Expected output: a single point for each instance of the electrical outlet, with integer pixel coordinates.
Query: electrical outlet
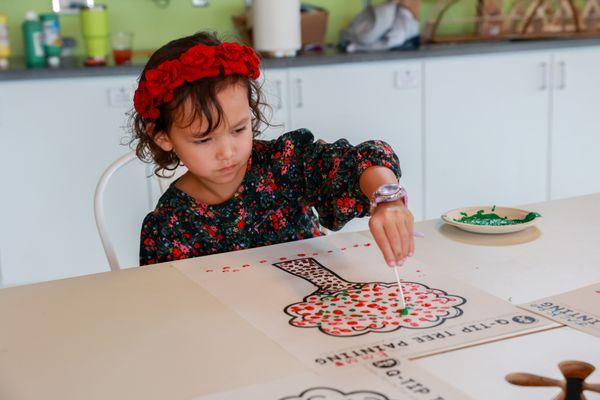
(120, 97)
(200, 3)
(409, 78)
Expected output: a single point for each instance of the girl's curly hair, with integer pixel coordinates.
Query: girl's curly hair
(202, 93)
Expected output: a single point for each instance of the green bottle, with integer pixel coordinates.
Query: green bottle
(32, 40)
(51, 39)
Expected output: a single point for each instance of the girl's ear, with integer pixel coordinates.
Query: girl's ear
(162, 140)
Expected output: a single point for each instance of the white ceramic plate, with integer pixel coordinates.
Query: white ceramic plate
(512, 213)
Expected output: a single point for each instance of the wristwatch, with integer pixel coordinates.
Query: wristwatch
(387, 193)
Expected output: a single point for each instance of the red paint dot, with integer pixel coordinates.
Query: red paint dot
(209, 270)
(330, 251)
(263, 261)
(367, 244)
(282, 258)
(315, 254)
(343, 248)
(301, 254)
(245, 265)
(356, 245)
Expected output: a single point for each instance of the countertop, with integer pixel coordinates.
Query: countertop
(74, 68)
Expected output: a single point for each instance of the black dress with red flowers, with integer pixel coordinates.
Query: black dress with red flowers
(286, 178)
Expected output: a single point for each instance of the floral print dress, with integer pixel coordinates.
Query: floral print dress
(285, 179)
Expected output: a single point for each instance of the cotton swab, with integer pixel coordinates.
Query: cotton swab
(401, 293)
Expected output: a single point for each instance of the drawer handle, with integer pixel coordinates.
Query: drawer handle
(544, 76)
(299, 99)
(562, 75)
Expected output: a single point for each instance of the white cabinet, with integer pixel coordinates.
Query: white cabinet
(57, 138)
(365, 101)
(575, 133)
(486, 130)
(275, 89)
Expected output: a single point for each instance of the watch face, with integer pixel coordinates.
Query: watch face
(389, 189)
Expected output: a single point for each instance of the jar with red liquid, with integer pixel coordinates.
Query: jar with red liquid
(121, 43)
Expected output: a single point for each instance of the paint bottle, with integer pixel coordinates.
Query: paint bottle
(4, 43)
(32, 41)
(51, 39)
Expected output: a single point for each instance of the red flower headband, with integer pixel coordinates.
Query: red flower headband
(201, 61)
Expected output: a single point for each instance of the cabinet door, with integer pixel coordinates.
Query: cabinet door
(486, 130)
(575, 143)
(275, 88)
(58, 137)
(365, 101)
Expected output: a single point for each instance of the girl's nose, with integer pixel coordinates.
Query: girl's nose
(225, 149)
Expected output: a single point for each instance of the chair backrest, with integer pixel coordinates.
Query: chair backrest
(163, 184)
(99, 215)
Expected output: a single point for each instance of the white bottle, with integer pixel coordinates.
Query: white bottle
(276, 27)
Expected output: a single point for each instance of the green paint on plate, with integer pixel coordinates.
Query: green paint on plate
(492, 219)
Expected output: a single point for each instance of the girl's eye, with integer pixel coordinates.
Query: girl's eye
(240, 130)
(202, 141)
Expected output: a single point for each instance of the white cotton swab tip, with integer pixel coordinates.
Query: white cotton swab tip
(400, 292)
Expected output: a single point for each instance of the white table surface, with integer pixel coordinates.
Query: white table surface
(142, 333)
(561, 255)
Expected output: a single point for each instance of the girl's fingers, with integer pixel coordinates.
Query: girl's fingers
(411, 236)
(394, 236)
(382, 242)
(405, 237)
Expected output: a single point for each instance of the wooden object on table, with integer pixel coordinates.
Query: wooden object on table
(572, 388)
(589, 18)
(489, 13)
(525, 19)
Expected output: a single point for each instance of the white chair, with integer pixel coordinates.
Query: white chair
(107, 244)
(163, 184)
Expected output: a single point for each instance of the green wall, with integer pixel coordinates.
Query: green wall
(154, 26)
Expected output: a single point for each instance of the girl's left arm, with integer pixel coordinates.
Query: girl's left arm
(391, 223)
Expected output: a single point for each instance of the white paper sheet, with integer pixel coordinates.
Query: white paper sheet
(579, 309)
(389, 379)
(333, 302)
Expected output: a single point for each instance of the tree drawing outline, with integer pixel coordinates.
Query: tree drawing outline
(345, 309)
(325, 393)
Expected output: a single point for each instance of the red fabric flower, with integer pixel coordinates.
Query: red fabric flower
(230, 52)
(167, 76)
(199, 62)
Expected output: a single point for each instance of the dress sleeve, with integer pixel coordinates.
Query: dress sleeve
(149, 241)
(329, 173)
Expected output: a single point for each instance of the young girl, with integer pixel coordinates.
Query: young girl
(198, 104)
